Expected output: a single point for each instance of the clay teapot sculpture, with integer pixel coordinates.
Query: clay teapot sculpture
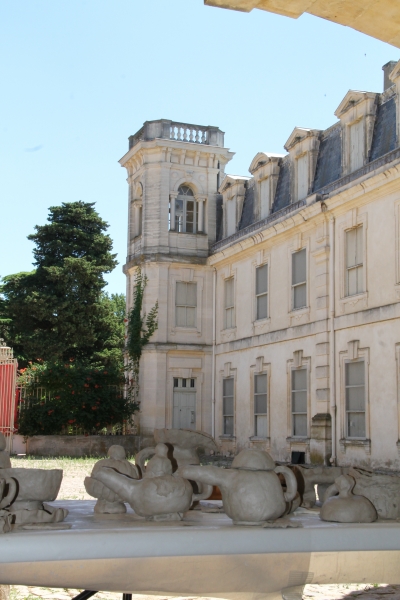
(159, 496)
(8, 491)
(251, 490)
(346, 507)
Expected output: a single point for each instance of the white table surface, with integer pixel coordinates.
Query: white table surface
(203, 555)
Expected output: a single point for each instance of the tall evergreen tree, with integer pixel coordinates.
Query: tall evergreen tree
(59, 311)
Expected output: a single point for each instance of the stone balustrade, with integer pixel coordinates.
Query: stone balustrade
(181, 132)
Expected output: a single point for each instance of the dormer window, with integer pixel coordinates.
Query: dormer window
(233, 191)
(185, 211)
(357, 113)
(303, 146)
(265, 170)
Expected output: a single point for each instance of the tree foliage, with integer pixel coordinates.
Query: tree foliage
(140, 329)
(59, 311)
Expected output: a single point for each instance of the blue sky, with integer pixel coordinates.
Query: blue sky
(79, 77)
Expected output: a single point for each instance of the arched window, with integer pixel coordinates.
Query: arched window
(185, 211)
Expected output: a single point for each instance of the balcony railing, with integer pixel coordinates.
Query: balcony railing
(179, 132)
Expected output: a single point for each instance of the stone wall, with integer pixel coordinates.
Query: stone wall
(81, 445)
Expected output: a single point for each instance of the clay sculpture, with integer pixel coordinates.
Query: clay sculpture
(5, 462)
(158, 497)
(35, 488)
(251, 491)
(346, 507)
(108, 501)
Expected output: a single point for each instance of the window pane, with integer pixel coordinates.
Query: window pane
(180, 316)
(351, 282)
(260, 384)
(299, 400)
(351, 243)
(262, 279)
(228, 387)
(299, 267)
(359, 248)
(355, 398)
(300, 296)
(260, 404)
(299, 379)
(191, 298)
(261, 429)
(356, 425)
(302, 177)
(190, 317)
(228, 293)
(185, 190)
(300, 425)
(360, 279)
(180, 299)
(262, 307)
(228, 425)
(355, 373)
(228, 406)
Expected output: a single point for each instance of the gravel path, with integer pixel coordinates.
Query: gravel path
(72, 488)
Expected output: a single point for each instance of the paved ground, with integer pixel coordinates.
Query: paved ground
(72, 488)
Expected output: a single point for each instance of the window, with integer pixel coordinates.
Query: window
(260, 405)
(184, 403)
(262, 292)
(264, 198)
(355, 399)
(229, 303)
(139, 214)
(356, 140)
(185, 304)
(299, 402)
(302, 177)
(230, 216)
(227, 406)
(354, 261)
(299, 278)
(185, 211)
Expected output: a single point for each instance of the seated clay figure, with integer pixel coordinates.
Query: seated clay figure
(346, 507)
(5, 462)
(108, 501)
(159, 464)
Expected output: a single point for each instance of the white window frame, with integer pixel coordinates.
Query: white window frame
(184, 198)
(257, 317)
(226, 414)
(353, 353)
(347, 411)
(294, 285)
(264, 414)
(186, 306)
(357, 266)
(294, 391)
(231, 307)
(359, 301)
(299, 444)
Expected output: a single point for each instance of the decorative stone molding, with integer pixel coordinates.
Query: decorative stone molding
(265, 169)
(303, 145)
(233, 191)
(357, 107)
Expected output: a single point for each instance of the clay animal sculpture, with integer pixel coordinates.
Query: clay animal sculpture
(5, 462)
(251, 491)
(108, 501)
(35, 487)
(346, 507)
(156, 497)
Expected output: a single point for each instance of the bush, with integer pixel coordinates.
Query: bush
(63, 396)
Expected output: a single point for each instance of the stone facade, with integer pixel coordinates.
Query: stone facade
(279, 293)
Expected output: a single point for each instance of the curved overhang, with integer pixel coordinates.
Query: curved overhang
(378, 18)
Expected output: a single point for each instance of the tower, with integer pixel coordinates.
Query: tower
(174, 171)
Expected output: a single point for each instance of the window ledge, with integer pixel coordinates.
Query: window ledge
(355, 443)
(298, 313)
(300, 440)
(255, 438)
(354, 298)
(228, 334)
(227, 437)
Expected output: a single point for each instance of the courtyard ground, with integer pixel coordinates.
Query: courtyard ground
(72, 488)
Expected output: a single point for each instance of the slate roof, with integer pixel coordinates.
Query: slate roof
(329, 162)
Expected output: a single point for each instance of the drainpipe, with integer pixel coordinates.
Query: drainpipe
(332, 374)
(213, 356)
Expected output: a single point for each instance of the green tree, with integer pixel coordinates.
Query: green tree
(59, 311)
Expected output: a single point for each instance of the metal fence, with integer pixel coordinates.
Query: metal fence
(8, 377)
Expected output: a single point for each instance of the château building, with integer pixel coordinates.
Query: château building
(278, 292)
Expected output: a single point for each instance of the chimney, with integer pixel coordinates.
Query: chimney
(387, 69)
